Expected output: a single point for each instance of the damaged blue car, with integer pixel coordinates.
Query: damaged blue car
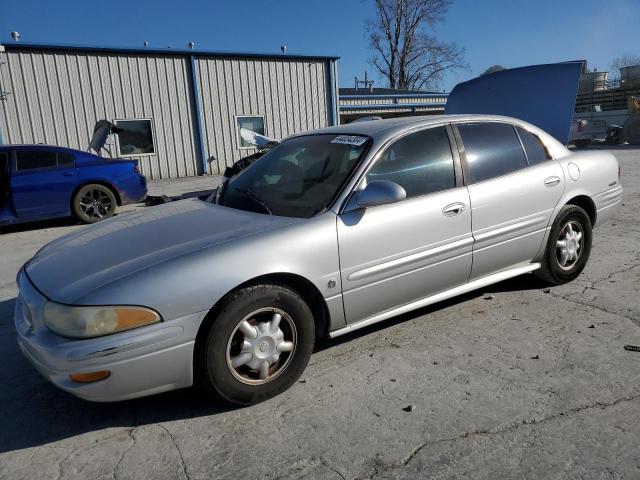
(40, 182)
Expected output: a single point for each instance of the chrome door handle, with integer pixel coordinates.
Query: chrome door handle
(551, 181)
(453, 209)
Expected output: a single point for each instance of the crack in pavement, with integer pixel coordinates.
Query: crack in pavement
(324, 463)
(515, 425)
(175, 443)
(130, 432)
(597, 307)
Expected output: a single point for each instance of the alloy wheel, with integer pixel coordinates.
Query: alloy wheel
(95, 203)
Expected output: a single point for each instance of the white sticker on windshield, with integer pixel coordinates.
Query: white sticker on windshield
(350, 140)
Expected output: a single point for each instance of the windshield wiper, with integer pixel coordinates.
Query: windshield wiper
(255, 198)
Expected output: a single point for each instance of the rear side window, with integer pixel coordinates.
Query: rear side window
(32, 159)
(421, 163)
(492, 150)
(536, 153)
(36, 159)
(65, 160)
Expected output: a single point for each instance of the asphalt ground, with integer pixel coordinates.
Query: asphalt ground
(514, 381)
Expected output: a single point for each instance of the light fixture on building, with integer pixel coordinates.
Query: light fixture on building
(283, 48)
(146, 44)
(15, 36)
(191, 45)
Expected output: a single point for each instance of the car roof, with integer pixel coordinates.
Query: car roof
(32, 146)
(382, 130)
(375, 128)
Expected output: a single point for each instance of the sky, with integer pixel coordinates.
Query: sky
(506, 32)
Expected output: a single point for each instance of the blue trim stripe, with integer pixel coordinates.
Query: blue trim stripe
(163, 51)
(193, 77)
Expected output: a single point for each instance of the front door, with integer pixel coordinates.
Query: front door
(395, 254)
(514, 186)
(42, 182)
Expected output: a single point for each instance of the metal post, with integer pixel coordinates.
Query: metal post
(198, 114)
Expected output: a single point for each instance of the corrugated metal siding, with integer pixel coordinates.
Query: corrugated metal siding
(292, 95)
(56, 98)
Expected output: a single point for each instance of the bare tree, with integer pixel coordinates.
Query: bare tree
(626, 60)
(403, 50)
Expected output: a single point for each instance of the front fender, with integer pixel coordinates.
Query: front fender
(196, 281)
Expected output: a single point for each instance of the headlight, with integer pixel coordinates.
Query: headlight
(86, 322)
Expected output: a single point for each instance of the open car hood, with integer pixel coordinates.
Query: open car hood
(101, 131)
(544, 95)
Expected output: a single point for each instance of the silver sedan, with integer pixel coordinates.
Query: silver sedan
(328, 232)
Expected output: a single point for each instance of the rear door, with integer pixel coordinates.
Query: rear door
(514, 186)
(392, 255)
(42, 182)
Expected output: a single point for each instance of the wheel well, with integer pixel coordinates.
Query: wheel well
(299, 284)
(586, 204)
(113, 189)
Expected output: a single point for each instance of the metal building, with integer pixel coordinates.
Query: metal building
(182, 109)
(388, 103)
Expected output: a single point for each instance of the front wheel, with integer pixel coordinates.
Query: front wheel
(568, 247)
(257, 346)
(93, 203)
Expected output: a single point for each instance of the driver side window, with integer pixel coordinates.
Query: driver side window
(421, 163)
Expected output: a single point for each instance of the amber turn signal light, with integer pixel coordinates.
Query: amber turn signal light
(90, 376)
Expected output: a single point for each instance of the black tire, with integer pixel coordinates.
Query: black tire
(94, 202)
(552, 270)
(213, 370)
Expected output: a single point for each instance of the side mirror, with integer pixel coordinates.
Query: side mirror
(380, 192)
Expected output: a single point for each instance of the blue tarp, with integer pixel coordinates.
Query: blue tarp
(544, 95)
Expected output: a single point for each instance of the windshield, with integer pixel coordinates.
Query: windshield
(298, 178)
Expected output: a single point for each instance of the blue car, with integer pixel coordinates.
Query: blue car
(38, 182)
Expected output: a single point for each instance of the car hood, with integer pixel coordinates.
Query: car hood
(71, 267)
(543, 95)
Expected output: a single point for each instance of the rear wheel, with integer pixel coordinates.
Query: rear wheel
(93, 203)
(258, 345)
(568, 247)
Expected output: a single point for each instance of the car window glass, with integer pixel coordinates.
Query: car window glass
(536, 153)
(32, 159)
(421, 163)
(65, 160)
(492, 149)
(298, 178)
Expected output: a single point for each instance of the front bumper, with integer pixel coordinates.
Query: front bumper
(144, 361)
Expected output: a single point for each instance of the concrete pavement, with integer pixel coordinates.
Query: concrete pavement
(515, 381)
